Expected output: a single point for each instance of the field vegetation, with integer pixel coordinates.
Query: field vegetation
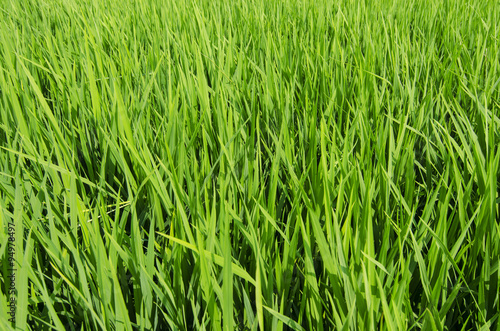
(250, 164)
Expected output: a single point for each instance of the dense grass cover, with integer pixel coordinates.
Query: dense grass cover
(251, 164)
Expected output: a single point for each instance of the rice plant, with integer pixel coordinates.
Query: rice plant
(249, 165)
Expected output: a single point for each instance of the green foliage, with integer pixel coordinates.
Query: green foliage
(251, 164)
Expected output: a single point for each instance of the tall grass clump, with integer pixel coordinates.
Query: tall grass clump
(250, 164)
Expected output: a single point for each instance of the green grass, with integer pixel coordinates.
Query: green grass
(251, 164)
